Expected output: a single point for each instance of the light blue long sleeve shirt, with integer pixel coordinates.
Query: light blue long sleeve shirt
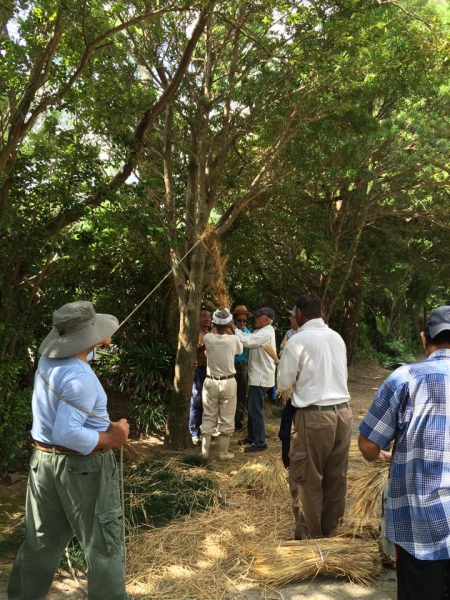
(57, 423)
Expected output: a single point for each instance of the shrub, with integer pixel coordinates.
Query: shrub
(15, 411)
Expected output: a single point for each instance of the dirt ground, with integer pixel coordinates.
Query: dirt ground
(364, 380)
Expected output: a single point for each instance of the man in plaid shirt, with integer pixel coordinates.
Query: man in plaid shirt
(412, 409)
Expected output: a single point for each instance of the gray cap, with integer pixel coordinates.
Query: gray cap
(265, 310)
(439, 320)
(77, 327)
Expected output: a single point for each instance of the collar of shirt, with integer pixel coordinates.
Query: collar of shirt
(313, 323)
(440, 353)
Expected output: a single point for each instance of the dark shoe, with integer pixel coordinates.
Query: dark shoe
(245, 442)
(256, 448)
(238, 427)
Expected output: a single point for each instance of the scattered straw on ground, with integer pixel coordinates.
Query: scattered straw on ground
(264, 478)
(206, 556)
(243, 537)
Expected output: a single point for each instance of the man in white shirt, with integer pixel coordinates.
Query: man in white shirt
(261, 374)
(219, 389)
(314, 364)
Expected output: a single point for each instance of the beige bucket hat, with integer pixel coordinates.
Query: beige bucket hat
(76, 327)
(241, 309)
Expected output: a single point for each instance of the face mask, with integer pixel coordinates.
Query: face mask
(91, 355)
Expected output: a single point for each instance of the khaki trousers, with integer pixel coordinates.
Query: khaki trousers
(219, 406)
(318, 469)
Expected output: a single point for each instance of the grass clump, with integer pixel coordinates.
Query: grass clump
(157, 492)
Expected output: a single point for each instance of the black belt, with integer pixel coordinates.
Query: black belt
(329, 407)
(220, 378)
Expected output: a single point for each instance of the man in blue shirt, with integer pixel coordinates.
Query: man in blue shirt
(240, 317)
(412, 409)
(73, 484)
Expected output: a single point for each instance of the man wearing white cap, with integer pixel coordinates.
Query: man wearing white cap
(219, 389)
(73, 485)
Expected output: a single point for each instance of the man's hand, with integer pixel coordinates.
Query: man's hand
(115, 436)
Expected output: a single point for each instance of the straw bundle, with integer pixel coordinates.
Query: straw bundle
(135, 452)
(356, 529)
(284, 395)
(218, 287)
(356, 560)
(366, 490)
(271, 352)
(265, 478)
(355, 453)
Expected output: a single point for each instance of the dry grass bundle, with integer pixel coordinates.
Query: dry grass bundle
(218, 287)
(366, 491)
(354, 452)
(284, 395)
(271, 352)
(355, 529)
(356, 560)
(135, 452)
(205, 556)
(265, 478)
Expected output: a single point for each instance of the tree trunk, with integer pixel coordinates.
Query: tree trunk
(352, 313)
(177, 432)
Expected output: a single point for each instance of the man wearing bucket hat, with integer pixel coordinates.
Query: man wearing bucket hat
(261, 374)
(240, 319)
(73, 485)
(411, 410)
(219, 389)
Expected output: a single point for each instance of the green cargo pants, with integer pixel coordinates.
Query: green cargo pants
(66, 495)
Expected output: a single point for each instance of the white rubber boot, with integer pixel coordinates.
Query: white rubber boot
(224, 442)
(206, 443)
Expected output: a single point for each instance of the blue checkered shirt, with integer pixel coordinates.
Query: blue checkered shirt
(413, 407)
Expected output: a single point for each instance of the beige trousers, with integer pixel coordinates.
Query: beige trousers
(318, 471)
(219, 406)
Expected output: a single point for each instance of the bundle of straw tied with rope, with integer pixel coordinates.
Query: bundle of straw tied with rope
(238, 535)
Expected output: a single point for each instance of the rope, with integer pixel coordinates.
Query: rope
(200, 239)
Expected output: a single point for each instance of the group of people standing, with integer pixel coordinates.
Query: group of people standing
(73, 485)
(316, 423)
(234, 371)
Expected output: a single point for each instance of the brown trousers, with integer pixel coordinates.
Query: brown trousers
(318, 471)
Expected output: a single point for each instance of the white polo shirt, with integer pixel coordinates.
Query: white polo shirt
(261, 368)
(314, 364)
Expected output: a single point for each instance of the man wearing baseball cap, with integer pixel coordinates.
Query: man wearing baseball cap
(73, 484)
(412, 410)
(261, 374)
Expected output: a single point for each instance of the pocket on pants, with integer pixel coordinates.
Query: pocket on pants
(317, 421)
(82, 465)
(111, 526)
(297, 468)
